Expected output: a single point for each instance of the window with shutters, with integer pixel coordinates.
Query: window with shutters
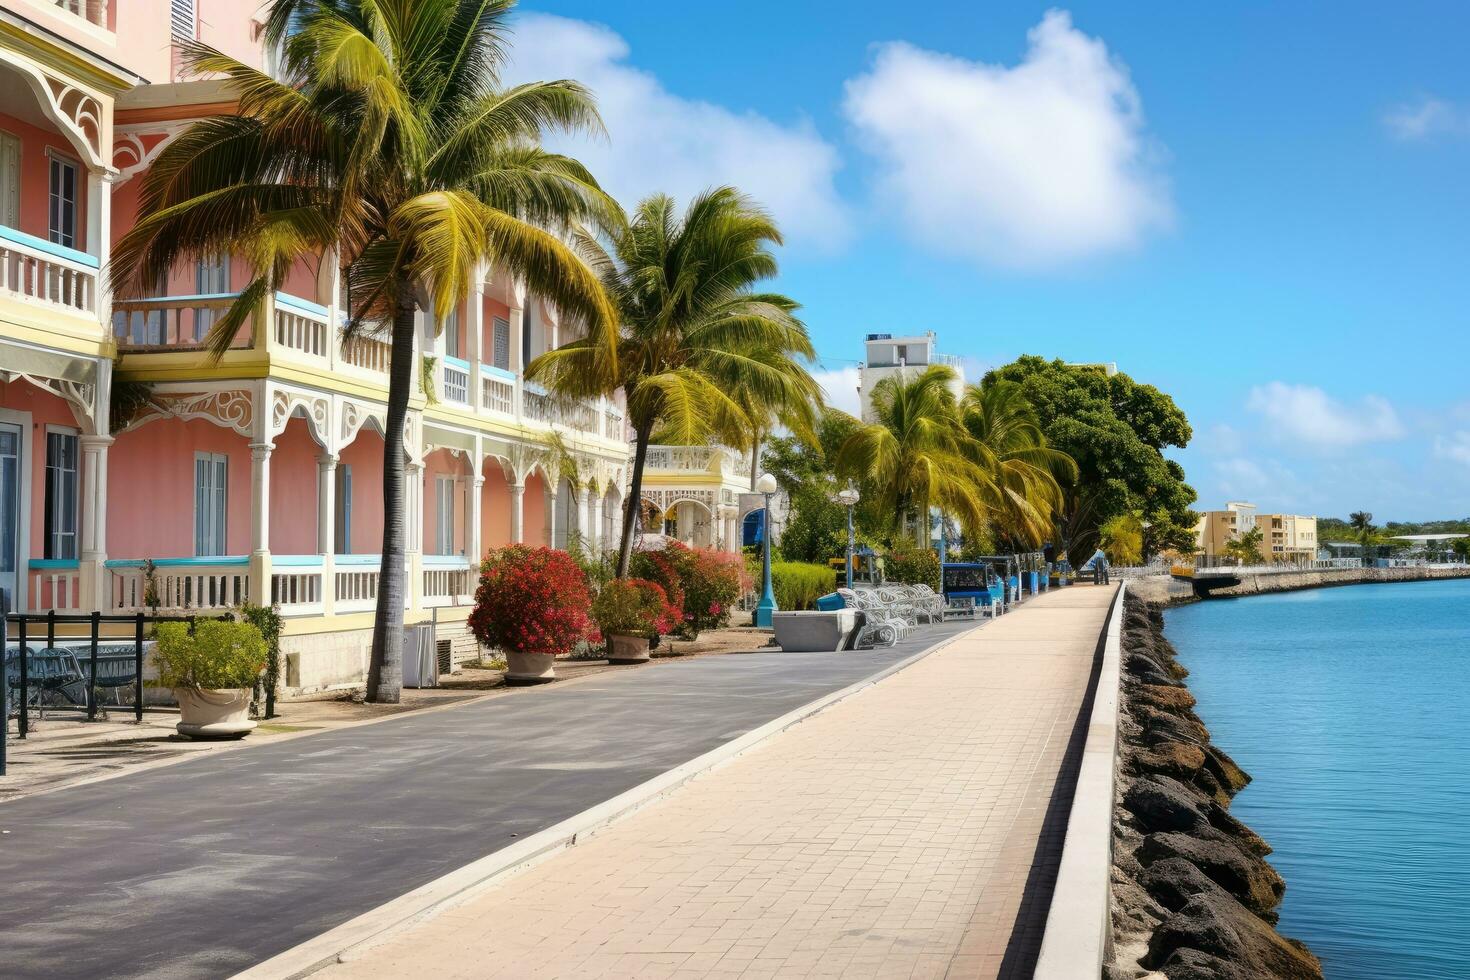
(61, 494)
(183, 20)
(500, 343)
(9, 180)
(62, 223)
(343, 544)
(211, 472)
(451, 335)
(444, 513)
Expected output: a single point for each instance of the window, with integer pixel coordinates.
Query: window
(211, 473)
(526, 328)
(62, 228)
(211, 278)
(182, 20)
(444, 514)
(451, 334)
(343, 534)
(500, 343)
(61, 495)
(9, 180)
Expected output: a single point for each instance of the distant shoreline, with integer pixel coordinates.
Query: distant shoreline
(1174, 591)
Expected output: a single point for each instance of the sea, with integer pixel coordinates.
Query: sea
(1350, 707)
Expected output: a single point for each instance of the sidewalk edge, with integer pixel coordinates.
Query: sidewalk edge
(359, 934)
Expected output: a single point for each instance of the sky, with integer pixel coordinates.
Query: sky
(1260, 209)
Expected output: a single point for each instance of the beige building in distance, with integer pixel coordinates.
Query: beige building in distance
(1217, 528)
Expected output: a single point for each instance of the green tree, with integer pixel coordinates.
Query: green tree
(1025, 493)
(392, 143)
(1246, 547)
(1116, 430)
(917, 455)
(693, 332)
(1461, 548)
(816, 530)
(1121, 539)
(1366, 533)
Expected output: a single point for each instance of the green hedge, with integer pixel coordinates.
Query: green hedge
(799, 583)
(913, 568)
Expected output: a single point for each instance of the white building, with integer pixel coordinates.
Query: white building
(887, 355)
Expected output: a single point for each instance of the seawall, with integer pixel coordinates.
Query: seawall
(1173, 590)
(1193, 897)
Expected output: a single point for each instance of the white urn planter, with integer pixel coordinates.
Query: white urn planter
(214, 714)
(624, 649)
(529, 668)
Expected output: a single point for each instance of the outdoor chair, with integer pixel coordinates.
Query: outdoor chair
(116, 669)
(934, 599)
(901, 604)
(879, 625)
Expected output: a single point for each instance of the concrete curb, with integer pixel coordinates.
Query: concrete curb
(358, 935)
(1079, 923)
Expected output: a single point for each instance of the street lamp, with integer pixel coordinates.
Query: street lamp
(763, 610)
(848, 498)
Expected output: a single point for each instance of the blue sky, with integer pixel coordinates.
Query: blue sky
(1260, 210)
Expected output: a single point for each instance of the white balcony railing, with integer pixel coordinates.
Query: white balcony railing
(172, 322)
(448, 580)
(302, 326)
(36, 270)
(497, 390)
(357, 583)
(55, 585)
(296, 584)
(456, 387)
(179, 584)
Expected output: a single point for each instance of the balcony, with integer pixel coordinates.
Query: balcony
(94, 12)
(51, 276)
(697, 459)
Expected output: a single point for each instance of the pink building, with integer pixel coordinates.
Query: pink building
(136, 473)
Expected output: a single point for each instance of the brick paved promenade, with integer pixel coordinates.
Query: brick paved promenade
(904, 832)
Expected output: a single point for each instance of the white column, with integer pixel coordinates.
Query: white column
(99, 237)
(260, 526)
(474, 548)
(553, 492)
(594, 522)
(517, 513)
(517, 319)
(92, 569)
(326, 504)
(413, 536)
(474, 327)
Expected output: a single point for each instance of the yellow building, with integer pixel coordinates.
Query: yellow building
(1287, 537)
(1217, 528)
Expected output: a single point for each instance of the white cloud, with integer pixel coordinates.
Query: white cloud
(1025, 166)
(1424, 118)
(840, 386)
(1309, 415)
(1455, 446)
(659, 141)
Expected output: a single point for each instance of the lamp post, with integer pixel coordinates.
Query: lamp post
(763, 610)
(848, 498)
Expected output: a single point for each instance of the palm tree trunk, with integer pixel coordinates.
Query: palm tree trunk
(385, 669)
(755, 462)
(641, 435)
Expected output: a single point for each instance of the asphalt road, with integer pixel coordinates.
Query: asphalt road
(207, 867)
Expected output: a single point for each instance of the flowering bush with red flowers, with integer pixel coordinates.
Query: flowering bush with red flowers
(635, 607)
(531, 600)
(704, 582)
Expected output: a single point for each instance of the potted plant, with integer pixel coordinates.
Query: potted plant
(533, 604)
(630, 613)
(212, 671)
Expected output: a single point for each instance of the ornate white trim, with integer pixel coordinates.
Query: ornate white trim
(76, 111)
(131, 156)
(80, 396)
(315, 409)
(353, 415)
(230, 409)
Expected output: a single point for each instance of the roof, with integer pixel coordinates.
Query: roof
(1428, 537)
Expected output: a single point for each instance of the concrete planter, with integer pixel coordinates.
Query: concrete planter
(627, 649)
(214, 714)
(809, 632)
(529, 668)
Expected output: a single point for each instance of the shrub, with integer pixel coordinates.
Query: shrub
(917, 567)
(531, 600)
(798, 584)
(705, 583)
(217, 656)
(634, 607)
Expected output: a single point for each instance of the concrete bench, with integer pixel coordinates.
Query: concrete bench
(806, 632)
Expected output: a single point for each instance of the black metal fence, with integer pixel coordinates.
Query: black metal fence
(91, 660)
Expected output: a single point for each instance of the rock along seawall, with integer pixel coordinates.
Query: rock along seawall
(1193, 896)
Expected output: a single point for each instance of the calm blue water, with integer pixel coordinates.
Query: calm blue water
(1351, 708)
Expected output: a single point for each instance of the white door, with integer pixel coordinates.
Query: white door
(211, 478)
(10, 575)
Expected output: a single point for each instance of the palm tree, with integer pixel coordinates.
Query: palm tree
(917, 454)
(1361, 521)
(391, 142)
(1025, 495)
(699, 351)
(1246, 547)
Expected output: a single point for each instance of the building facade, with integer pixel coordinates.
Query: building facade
(137, 473)
(886, 355)
(1217, 528)
(1284, 537)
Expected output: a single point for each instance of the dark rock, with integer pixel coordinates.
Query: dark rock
(1222, 821)
(1159, 724)
(1179, 759)
(1172, 882)
(1218, 926)
(1163, 804)
(1191, 964)
(1205, 781)
(1253, 882)
(1231, 776)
